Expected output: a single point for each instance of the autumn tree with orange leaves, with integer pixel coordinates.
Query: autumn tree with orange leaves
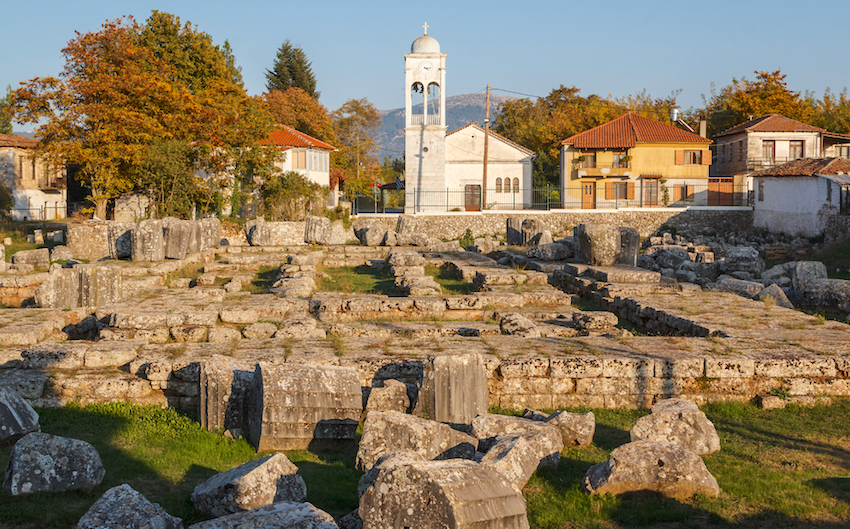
(297, 109)
(120, 95)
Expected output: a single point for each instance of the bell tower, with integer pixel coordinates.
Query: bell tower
(425, 116)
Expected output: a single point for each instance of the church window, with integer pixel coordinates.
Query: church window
(516, 185)
(498, 185)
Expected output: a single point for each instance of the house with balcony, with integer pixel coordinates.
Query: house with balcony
(633, 161)
(772, 140)
(38, 190)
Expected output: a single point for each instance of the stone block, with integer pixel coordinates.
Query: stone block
(255, 484)
(739, 367)
(629, 246)
(148, 244)
(223, 387)
(747, 289)
(39, 258)
(120, 237)
(518, 325)
(17, 418)
(181, 237)
(643, 466)
(393, 396)
(530, 230)
(775, 292)
(599, 242)
(576, 367)
(445, 493)
(388, 461)
(453, 389)
(122, 507)
(57, 253)
(677, 421)
(514, 458)
(40, 462)
(514, 231)
(289, 406)
(281, 514)
(89, 240)
(545, 438)
(99, 285)
(384, 432)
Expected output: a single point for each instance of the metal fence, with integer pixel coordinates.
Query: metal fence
(44, 212)
(598, 195)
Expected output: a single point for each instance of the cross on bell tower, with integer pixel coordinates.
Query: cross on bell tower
(425, 116)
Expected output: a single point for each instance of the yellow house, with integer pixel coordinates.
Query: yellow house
(633, 161)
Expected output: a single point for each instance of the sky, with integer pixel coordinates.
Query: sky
(520, 48)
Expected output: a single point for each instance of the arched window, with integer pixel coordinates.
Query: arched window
(433, 100)
(498, 185)
(516, 185)
(417, 99)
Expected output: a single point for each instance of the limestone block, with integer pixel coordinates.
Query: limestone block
(737, 367)
(259, 331)
(300, 329)
(406, 225)
(595, 320)
(545, 438)
(60, 290)
(39, 258)
(775, 292)
(513, 457)
(122, 507)
(629, 246)
(805, 272)
(120, 239)
(458, 494)
(210, 233)
(550, 252)
(181, 237)
(17, 418)
(518, 325)
(454, 388)
(677, 421)
(148, 242)
(742, 259)
(41, 462)
(576, 367)
(530, 230)
(223, 386)
(99, 285)
(747, 289)
(3, 256)
(643, 466)
(813, 366)
(513, 234)
(189, 334)
(289, 406)
(111, 353)
(391, 397)
(239, 316)
(388, 461)
(57, 253)
(404, 258)
(388, 431)
(258, 483)
(576, 429)
(599, 242)
(320, 230)
(281, 514)
(351, 520)
(89, 241)
(54, 356)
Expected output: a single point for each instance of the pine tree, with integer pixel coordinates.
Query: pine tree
(6, 112)
(291, 68)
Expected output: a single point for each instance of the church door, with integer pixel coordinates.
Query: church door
(472, 198)
(588, 195)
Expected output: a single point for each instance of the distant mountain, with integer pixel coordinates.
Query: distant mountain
(460, 110)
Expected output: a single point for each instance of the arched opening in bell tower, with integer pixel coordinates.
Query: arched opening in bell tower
(417, 103)
(433, 100)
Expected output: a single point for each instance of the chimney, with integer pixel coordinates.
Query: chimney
(702, 128)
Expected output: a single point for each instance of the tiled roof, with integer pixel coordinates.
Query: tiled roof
(629, 130)
(771, 123)
(285, 136)
(12, 140)
(808, 167)
(494, 135)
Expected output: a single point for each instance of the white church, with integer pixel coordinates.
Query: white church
(445, 172)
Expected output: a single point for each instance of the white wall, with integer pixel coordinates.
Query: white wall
(318, 165)
(796, 206)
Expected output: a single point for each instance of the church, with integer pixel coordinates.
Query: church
(445, 172)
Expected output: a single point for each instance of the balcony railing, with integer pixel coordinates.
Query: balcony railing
(604, 169)
(427, 119)
(757, 164)
(56, 182)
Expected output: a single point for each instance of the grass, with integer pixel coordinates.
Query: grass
(18, 232)
(263, 280)
(358, 280)
(835, 256)
(190, 271)
(451, 284)
(777, 469)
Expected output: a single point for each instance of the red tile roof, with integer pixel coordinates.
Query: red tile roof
(808, 167)
(13, 140)
(771, 123)
(525, 150)
(285, 136)
(629, 130)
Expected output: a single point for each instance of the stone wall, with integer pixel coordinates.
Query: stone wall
(690, 221)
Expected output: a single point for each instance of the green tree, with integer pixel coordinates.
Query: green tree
(833, 112)
(291, 68)
(356, 123)
(6, 112)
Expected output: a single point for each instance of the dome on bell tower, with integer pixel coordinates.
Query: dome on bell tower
(425, 44)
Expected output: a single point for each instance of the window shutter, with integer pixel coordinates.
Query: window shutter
(706, 157)
(609, 191)
(680, 157)
(630, 191)
(678, 193)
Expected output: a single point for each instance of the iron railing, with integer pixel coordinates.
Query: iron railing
(600, 195)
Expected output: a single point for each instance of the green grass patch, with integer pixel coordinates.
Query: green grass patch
(835, 256)
(263, 280)
(358, 280)
(190, 271)
(450, 283)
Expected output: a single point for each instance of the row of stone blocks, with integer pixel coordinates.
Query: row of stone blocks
(150, 240)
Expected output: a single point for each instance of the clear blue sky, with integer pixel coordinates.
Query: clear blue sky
(602, 47)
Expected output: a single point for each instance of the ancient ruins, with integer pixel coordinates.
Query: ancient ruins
(598, 315)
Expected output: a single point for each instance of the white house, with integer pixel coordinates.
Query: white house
(39, 191)
(796, 198)
(509, 167)
(304, 154)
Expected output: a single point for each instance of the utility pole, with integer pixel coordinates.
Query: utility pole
(486, 149)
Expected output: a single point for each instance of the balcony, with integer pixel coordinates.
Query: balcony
(757, 164)
(425, 119)
(604, 169)
(55, 183)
